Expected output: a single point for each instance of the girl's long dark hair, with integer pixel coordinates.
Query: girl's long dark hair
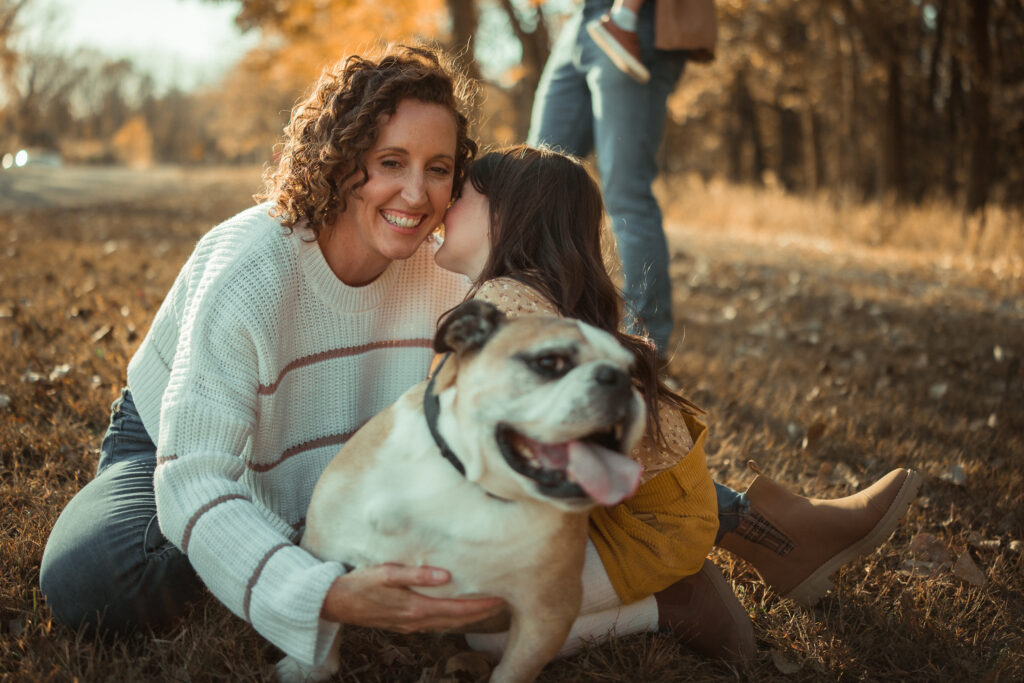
(546, 232)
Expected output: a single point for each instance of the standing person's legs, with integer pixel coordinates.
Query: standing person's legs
(106, 562)
(629, 120)
(562, 116)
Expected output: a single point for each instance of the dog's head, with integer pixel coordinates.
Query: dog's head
(539, 407)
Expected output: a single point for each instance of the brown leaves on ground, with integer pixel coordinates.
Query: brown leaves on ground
(827, 362)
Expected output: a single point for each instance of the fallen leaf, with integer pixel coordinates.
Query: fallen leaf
(977, 541)
(966, 569)
(955, 475)
(399, 654)
(59, 372)
(31, 377)
(919, 568)
(784, 665)
(1016, 546)
(843, 473)
(5, 401)
(100, 334)
(473, 665)
(938, 390)
(814, 434)
(928, 547)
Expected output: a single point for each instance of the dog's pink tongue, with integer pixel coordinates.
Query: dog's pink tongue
(607, 476)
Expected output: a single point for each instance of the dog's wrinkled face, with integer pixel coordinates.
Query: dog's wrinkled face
(545, 407)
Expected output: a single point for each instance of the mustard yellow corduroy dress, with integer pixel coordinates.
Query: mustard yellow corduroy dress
(664, 532)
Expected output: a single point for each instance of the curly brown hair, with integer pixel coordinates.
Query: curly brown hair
(333, 127)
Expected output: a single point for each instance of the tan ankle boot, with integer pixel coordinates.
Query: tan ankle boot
(796, 543)
(705, 615)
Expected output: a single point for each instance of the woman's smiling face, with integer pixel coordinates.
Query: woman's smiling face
(411, 169)
(467, 234)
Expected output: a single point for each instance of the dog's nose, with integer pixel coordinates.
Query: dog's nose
(610, 377)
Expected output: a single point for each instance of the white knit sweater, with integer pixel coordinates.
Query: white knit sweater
(259, 365)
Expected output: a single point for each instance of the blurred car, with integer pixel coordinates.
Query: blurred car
(31, 156)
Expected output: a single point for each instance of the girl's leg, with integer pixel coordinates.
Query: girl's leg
(797, 543)
(732, 507)
(700, 609)
(106, 563)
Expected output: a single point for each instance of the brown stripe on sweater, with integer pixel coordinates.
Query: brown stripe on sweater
(186, 537)
(256, 577)
(266, 389)
(164, 459)
(330, 440)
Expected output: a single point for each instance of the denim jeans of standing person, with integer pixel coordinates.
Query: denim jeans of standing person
(584, 104)
(106, 562)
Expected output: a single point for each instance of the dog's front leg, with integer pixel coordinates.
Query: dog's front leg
(289, 670)
(537, 632)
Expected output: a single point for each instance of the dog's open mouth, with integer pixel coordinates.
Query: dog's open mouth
(591, 467)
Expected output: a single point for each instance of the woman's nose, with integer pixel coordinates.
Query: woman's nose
(415, 189)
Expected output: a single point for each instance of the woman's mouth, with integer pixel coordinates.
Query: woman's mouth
(402, 221)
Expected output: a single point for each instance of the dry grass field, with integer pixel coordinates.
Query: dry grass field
(830, 343)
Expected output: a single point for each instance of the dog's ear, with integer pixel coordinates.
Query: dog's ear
(468, 327)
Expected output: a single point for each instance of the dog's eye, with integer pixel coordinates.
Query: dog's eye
(551, 364)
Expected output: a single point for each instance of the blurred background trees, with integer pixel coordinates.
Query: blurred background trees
(860, 99)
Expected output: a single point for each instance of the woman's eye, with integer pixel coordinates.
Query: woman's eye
(390, 163)
(440, 170)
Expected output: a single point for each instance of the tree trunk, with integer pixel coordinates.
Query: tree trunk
(536, 47)
(748, 128)
(895, 164)
(464, 27)
(954, 105)
(979, 111)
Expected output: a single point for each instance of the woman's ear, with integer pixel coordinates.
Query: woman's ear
(468, 327)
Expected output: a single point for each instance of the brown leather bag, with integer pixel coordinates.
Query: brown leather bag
(686, 25)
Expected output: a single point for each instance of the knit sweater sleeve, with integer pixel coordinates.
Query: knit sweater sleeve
(207, 416)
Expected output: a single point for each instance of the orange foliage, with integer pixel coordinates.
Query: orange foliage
(316, 33)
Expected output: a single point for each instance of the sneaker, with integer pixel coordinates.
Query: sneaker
(621, 46)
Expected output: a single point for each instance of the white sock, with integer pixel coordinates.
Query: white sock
(624, 18)
(602, 614)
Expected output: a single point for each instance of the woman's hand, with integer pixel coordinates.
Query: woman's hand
(380, 597)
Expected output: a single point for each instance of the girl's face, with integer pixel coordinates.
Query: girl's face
(410, 172)
(467, 234)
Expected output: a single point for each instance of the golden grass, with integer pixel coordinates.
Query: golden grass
(828, 344)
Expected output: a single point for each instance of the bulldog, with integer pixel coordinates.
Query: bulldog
(488, 470)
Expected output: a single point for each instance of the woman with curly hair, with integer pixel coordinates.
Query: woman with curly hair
(290, 325)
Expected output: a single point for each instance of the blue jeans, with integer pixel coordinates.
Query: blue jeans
(584, 103)
(106, 559)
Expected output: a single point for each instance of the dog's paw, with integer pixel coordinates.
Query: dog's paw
(289, 670)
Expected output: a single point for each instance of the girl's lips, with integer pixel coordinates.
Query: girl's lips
(402, 221)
